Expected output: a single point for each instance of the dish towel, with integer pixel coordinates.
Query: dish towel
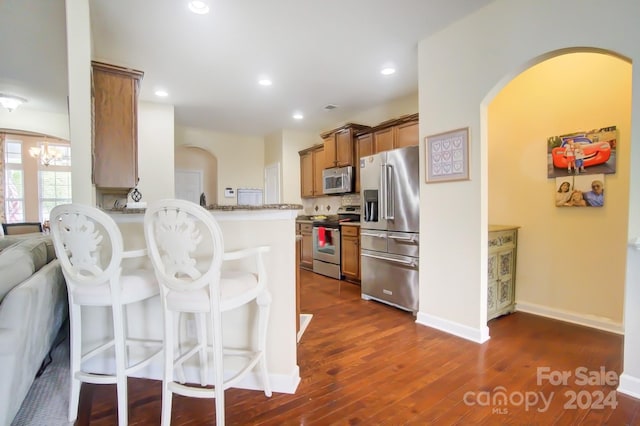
(321, 236)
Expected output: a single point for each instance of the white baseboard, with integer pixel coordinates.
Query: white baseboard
(281, 383)
(592, 321)
(629, 385)
(480, 335)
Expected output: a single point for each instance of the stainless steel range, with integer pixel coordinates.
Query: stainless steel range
(327, 243)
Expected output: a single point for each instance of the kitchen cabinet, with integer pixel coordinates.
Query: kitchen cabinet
(363, 148)
(338, 145)
(406, 134)
(383, 140)
(115, 126)
(351, 252)
(396, 133)
(311, 166)
(503, 244)
(305, 256)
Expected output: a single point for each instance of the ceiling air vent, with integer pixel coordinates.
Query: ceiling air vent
(330, 107)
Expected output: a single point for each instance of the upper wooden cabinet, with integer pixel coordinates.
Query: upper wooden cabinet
(311, 166)
(338, 145)
(115, 125)
(363, 148)
(396, 133)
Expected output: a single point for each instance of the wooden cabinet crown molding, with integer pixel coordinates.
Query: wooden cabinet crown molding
(356, 128)
(391, 123)
(129, 72)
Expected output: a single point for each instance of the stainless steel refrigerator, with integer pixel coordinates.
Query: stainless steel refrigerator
(389, 227)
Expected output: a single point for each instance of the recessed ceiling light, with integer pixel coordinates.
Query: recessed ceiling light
(198, 6)
(298, 115)
(387, 70)
(265, 82)
(161, 93)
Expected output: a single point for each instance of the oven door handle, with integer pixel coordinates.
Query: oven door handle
(411, 263)
(369, 234)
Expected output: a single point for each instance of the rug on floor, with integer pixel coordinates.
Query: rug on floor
(47, 401)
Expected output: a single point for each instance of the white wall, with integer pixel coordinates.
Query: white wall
(29, 120)
(79, 69)
(461, 68)
(240, 158)
(570, 260)
(155, 151)
(292, 142)
(378, 113)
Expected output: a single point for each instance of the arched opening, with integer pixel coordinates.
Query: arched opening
(196, 168)
(571, 261)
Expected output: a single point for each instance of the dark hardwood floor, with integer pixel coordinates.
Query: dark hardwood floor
(370, 364)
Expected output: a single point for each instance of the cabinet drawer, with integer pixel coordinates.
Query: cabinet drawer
(350, 231)
(305, 228)
(502, 239)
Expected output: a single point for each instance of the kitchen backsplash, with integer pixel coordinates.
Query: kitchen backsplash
(328, 204)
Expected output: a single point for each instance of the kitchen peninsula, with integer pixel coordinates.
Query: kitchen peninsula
(242, 227)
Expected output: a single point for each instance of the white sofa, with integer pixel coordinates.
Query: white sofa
(33, 306)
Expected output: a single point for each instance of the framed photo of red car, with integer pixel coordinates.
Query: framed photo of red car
(584, 152)
(447, 156)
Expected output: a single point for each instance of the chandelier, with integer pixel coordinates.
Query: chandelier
(45, 154)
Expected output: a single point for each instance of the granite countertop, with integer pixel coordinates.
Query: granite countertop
(218, 207)
(260, 207)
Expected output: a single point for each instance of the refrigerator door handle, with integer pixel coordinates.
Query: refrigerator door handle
(389, 192)
(383, 191)
(376, 235)
(410, 263)
(410, 238)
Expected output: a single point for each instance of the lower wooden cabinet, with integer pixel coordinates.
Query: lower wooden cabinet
(503, 244)
(304, 230)
(351, 252)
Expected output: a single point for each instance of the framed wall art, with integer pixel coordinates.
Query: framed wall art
(589, 152)
(447, 156)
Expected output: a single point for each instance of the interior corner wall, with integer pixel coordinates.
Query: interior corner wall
(570, 261)
(240, 158)
(293, 142)
(460, 68)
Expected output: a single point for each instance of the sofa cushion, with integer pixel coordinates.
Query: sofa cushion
(19, 261)
(6, 242)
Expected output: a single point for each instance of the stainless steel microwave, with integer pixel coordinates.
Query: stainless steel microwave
(338, 180)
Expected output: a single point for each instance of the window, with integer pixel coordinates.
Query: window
(37, 176)
(54, 179)
(14, 178)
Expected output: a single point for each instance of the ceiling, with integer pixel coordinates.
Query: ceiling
(316, 53)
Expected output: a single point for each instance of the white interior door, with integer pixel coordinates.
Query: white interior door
(188, 185)
(272, 184)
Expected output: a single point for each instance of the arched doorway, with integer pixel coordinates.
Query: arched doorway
(196, 165)
(562, 272)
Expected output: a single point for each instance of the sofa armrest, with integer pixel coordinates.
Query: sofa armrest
(8, 337)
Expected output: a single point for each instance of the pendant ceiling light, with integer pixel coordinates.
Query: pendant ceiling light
(11, 102)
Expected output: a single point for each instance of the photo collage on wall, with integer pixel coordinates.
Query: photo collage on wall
(579, 161)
